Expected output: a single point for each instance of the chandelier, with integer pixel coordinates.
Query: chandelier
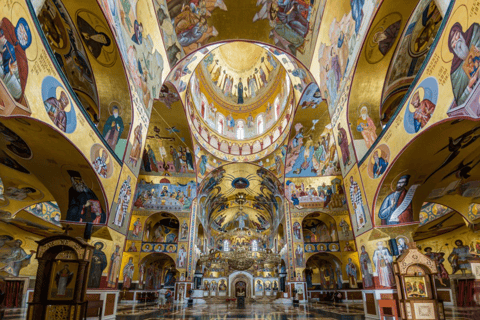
(241, 255)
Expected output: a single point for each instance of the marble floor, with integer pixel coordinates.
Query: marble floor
(268, 312)
(251, 312)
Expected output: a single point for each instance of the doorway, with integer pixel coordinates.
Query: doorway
(14, 293)
(465, 293)
(240, 289)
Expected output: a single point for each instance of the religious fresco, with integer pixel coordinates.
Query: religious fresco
(344, 145)
(218, 117)
(161, 228)
(101, 160)
(387, 184)
(58, 106)
(173, 194)
(223, 72)
(325, 193)
(379, 161)
(357, 202)
(319, 230)
(452, 174)
(85, 49)
(382, 37)
(122, 202)
(257, 186)
(365, 110)
(192, 22)
(410, 53)
(431, 211)
(421, 106)
(16, 35)
(169, 148)
(293, 25)
(449, 222)
(340, 38)
(48, 211)
(140, 46)
(65, 41)
(450, 247)
(14, 257)
(173, 48)
(311, 150)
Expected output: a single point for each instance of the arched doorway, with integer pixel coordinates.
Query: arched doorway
(240, 289)
(241, 281)
(157, 269)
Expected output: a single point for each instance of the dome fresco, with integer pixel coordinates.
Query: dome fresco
(239, 101)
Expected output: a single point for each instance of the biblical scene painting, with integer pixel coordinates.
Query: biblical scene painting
(415, 287)
(336, 56)
(311, 151)
(316, 193)
(166, 194)
(13, 257)
(168, 148)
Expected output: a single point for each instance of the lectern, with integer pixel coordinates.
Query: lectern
(414, 275)
(61, 284)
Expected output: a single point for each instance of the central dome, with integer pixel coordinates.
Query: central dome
(240, 56)
(240, 91)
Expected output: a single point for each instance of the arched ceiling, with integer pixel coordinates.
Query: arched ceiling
(48, 165)
(197, 23)
(260, 190)
(449, 178)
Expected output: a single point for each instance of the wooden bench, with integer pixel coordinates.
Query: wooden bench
(94, 309)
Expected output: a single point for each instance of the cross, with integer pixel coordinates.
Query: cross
(67, 228)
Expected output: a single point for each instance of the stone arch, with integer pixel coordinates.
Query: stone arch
(241, 276)
(156, 266)
(164, 221)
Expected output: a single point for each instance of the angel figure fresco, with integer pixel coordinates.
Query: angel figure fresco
(13, 256)
(190, 21)
(289, 20)
(438, 258)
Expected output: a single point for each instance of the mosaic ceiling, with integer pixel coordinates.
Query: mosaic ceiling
(237, 190)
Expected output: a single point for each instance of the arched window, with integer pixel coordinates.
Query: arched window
(260, 124)
(240, 130)
(276, 111)
(254, 245)
(226, 246)
(220, 123)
